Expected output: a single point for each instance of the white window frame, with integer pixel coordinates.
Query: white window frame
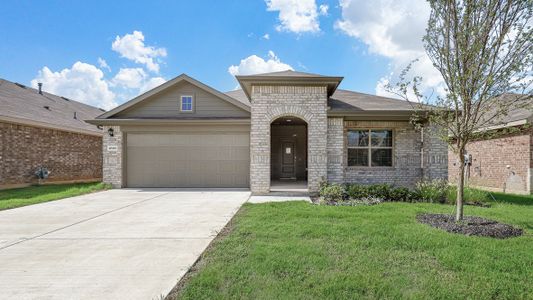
(370, 147)
(192, 103)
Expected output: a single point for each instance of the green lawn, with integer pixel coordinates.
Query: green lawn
(296, 250)
(36, 194)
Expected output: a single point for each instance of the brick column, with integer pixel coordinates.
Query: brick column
(335, 150)
(112, 157)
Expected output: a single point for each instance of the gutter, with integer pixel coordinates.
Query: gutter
(119, 122)
(505, 125)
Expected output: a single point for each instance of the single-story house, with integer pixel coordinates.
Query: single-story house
(39, 129)
(279, 127)
(503, 160)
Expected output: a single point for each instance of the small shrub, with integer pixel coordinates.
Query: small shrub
(356, 191)
(401, 194)
(381, 191)
(432, 190)
(331, 193)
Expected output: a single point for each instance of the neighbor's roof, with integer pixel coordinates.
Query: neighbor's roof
(344, 102)
(520, 112)
(24, 105)
(288, 77)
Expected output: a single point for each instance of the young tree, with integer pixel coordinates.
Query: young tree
(483, 49)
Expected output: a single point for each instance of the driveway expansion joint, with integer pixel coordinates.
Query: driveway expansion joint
(79, 222)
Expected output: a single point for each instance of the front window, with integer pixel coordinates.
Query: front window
(370, 148)
(186, 103)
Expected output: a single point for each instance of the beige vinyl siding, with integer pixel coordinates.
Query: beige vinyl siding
(167, 105)
(203, 156)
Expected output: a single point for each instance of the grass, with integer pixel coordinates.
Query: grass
(295, 250)
(37, 194)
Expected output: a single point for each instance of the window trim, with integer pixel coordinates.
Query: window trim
(369, 147)
(192, 104)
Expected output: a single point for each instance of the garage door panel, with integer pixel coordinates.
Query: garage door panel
(195, 159)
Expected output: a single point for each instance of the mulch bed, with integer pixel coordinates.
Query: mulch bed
(470, 226)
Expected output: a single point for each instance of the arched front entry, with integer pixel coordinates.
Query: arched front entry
(270, 103)
(288, 154)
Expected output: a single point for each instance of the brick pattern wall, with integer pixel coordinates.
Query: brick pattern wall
(112, 149)
(435, 154)
(335, 150)
(409, 164)
(68, 156)
(271, 102)
(499, 163)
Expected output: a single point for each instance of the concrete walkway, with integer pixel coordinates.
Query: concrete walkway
(117, 244)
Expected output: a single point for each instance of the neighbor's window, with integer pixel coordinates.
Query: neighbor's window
(186, 103)
(370, 148)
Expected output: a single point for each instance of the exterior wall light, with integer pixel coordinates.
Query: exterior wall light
(111, 132)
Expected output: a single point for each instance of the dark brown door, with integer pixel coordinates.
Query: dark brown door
(287, 160)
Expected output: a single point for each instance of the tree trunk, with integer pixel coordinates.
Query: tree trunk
(460, 186)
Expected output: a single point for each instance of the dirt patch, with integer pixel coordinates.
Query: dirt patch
(470, 226)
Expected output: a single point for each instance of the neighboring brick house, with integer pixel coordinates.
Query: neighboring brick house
(38, 129)
(503, 162)
(281, 127)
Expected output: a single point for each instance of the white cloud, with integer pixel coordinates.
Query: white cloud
(151, 83)
(103, 64)
(131, 46)
(83, 82)
(296, 16)
(136, 78)
(129, 77)
(393, 29)
(254, 64)
(323, 9)
(266, 36)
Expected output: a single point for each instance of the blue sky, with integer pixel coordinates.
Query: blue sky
(203, 39)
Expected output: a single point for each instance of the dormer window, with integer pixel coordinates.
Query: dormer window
(186, 104)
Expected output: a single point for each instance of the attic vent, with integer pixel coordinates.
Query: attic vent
(47, 107)
(102, 109)
(65, 98)
(20, 85)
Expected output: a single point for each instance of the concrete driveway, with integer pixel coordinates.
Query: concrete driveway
(117, 244)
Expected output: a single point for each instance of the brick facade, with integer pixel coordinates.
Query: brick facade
(414, 157)
(336, 145)
(113, 159)
(308, 103)
(503, 163)
(68, 156)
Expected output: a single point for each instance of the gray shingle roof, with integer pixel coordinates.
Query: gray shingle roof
(521, 109)
(26, 104)
(344, 101)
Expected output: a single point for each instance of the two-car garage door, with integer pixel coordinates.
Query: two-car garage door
(208, 158)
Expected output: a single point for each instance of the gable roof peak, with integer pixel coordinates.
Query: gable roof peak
(180, 78)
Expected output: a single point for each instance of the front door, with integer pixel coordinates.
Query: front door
(287, 160)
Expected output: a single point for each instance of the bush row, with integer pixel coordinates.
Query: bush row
(434, 191)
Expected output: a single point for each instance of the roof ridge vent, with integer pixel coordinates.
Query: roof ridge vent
(65, 98)
(20, 85)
